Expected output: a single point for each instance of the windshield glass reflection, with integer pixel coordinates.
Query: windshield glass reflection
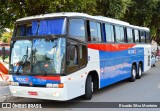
(21, 56)
(48, 55)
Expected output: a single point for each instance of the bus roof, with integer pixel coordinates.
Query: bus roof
(75, 14)
(141, 28)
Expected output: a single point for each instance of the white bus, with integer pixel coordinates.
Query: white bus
(61, 56)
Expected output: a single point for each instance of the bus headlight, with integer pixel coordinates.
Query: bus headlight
(14, 84)
(49, 85)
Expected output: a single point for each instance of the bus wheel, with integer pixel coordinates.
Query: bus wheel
(133, 73)
(88, 88)
(139, 74)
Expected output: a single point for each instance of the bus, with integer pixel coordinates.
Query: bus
(61, 56)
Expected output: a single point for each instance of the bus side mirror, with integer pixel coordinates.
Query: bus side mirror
(3, 53)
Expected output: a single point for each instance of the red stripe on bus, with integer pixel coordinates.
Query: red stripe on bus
(111, 47)
(57, 78)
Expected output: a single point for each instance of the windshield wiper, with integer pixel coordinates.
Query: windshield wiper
(24, 59)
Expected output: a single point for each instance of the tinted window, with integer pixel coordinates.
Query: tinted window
(122, 33)
(21, 30)
(77, 29)
(119, 34)
(29, 30)
(95, 31)
(148, 39)
(109, 33)
(103, 33)
(129, 35)
(82, 55)
(142, 34)
(55, 26)
(99, 31)
(136, 33)
(72, 58)
(76, 56)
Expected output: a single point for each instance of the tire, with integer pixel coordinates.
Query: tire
(88, 88)
(139, 73)
(133, 73)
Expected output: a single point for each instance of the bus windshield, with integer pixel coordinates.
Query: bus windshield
(38, 56)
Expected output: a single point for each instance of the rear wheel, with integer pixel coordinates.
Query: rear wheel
(139, 74)
(88, 88)
(133, 73)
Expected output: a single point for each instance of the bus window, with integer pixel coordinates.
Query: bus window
(21, 30)
(29, 30)
(142, 35)
(136, 34)
(129, 35)
(72, 57)
(103, 32)
(82, 55)
(119, 34)
(77, 29)
(148, 39)
(109, 33)
(95, 31)
(76, 56)
(122, 33)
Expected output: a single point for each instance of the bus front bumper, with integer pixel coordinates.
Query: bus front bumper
(59, 94)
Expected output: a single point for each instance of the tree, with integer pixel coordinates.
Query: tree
(112, 8)
(155, 22)
(140, 12)
(11, 10)
(145, 13)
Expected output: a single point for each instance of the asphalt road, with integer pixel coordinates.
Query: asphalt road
(146, 89)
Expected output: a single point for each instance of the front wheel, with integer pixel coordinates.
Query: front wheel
(88, 88)
(133, 73)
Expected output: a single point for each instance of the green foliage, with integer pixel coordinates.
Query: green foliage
(145, 13)
(137, 12)
(140, 12)
(112, 8)
(6, 37)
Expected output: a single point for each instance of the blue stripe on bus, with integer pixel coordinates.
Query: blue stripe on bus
(116, 66)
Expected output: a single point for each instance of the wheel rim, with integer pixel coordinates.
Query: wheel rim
(134, 73)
